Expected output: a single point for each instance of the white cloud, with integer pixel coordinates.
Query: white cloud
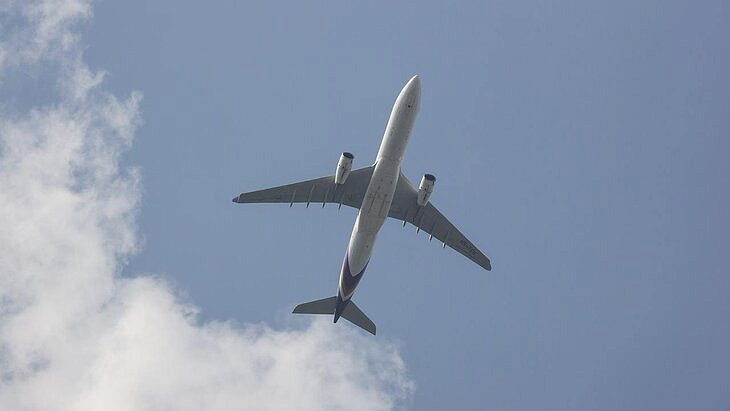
(76, 335)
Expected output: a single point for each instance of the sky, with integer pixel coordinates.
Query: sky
(581, 145)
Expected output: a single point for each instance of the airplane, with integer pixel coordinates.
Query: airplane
(378, 191)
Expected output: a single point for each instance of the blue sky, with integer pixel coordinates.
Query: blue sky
(582, 145)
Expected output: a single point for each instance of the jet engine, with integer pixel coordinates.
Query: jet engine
(425, 189)
(343, 167)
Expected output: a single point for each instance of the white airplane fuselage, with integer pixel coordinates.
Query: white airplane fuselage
(379, 194)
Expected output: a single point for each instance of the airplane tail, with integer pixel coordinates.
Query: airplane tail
(328, 305)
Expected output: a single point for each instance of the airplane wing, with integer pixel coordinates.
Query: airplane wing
(430, 220)
(319, 190)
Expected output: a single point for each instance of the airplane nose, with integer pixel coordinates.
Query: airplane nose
(410, 95)
(415, 82)
(413, 90)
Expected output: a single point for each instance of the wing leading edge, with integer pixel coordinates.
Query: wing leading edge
(319, 190)
(430, 220)
(404, 206)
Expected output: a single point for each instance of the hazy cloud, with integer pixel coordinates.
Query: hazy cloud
(76, 335)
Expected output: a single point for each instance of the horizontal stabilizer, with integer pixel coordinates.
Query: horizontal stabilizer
(357, 317)
(323, 306)
(328, 305)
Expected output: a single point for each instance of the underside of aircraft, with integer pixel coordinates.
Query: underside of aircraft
(378, 191)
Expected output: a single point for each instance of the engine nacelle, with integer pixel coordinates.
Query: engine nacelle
(425, 189)
(343, 167)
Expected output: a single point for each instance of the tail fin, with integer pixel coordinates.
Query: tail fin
(327, 306)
